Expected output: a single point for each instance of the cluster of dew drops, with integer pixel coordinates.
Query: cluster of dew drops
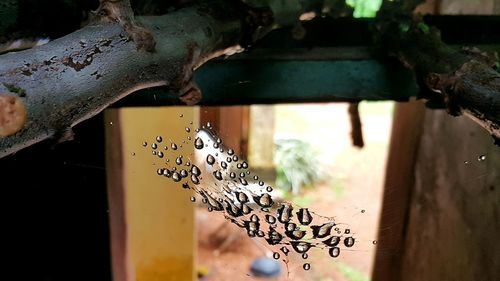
(226, 185)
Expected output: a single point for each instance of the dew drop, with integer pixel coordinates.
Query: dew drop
(195, 170)
(145, 144)
(322, 231)
(242, 197)
(133, 153)
(193, 199)
(374, 242)
(306, 266)
(159, 139)
(481, 158)
(235, 158)
(184, 173)
(254, 218)
(363, 211)
(270, 219)
(174, 146)
(159, 171)
(334, 252)
(244, 165)
(347, 231)
(210, 159)
(216, 145)
(242, 175)
(238, 166)
(181, 115)
(167, 173)
(269, 189)
(232, 175)
(305, 255)
(229, 160)
(261, 183)
(223, 165)
(195, 179)
(154, 146)
(304, 216)
(285, 213)
(276, 255)
(218, 175)
(349, 241)
(160, 154)
(300, 246)
(186, 186)
(198, 143)
(332, 241)
(176, 177)
(284, 250)
(261, 233)
(187, 129)
(230, 151)
(178, 160)
(219, 141)
(263, 200)
(255, 177)
(154, 152)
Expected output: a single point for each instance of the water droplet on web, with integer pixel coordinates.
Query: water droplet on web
(276, 255)
(159, 139)
(198, 143)
(235, 158)
(285, 213)
(216, 145)
(209, 125)
(295, 234)
(167, 173)
(160, 154)
(230, 151)
(304, 216)
(186, 186)
(242, 175)
(374, 242)
(145, 144)
(306, 266)
(269, 189)
(184, 173)
(305, 255)
(242, 197)
(481, 158)
(270, 219)
(176, 177)
(154, 152)
(181, 115)
(363, 211)
(187, 129)
(159, 171)
(334, 252)
(261, 183)
(332, 241)
(255, 177)
(193, 199)
(349, 241)
(347, 231)
(218, 175)
(195, 170)
(223, 165)
(229, 160)
(322, 231)
(154, 146)
(189, 137)
(133, 153)
(210, 159)
(273, 237)
(232, 175)
(263, 200)
(284, 250)
(238, 166)
(300, 246)
(195, 179)
(254, 218)
(178, 160)
(174, 146)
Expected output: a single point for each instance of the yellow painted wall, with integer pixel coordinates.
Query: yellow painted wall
(159, 215)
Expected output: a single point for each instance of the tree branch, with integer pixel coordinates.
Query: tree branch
(75, 77)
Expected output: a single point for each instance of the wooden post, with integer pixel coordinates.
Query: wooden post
(152, 218)
(399, 181)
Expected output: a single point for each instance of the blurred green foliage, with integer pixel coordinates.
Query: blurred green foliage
(297, 165)
(365, 8)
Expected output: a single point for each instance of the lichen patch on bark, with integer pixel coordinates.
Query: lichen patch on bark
(12, 115)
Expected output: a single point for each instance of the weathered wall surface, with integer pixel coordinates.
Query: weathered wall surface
(453, 226)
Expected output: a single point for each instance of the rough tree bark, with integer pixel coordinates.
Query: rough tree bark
(75, 77)
(46, 90)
